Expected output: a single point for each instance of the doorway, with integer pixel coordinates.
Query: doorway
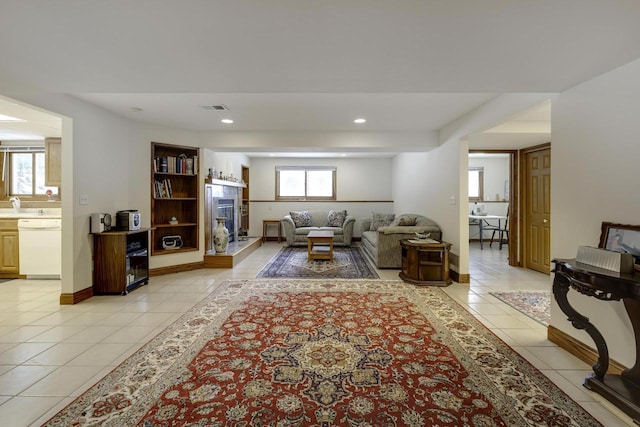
(536, 207)
(504, 200)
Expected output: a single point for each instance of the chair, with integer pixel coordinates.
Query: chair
(504, 229)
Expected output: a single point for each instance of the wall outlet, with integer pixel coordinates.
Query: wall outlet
(84, 199)
(452, 200)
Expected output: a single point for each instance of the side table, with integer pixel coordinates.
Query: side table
(268, 222)
(425, 262)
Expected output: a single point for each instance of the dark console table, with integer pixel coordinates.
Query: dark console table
(622, 390)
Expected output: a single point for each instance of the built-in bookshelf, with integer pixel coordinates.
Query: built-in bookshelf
(174, 194)
(244, 206)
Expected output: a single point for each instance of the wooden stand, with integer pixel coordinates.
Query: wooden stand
(120, 261)
(622, 390)
(266, 223)
(425, 263)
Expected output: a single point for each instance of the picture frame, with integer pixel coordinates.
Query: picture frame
(621, 238)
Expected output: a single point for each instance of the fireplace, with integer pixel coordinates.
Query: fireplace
(225, 209)
(222, 201)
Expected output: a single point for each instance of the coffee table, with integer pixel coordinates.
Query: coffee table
(320, 245)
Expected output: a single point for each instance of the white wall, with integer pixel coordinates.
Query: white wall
(225, 162)
(363, 186)
(594, 159)
(295, 141)
(496, 172)
(425, 183)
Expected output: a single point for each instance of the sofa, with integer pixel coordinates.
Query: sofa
(298, 224)
(381, 235)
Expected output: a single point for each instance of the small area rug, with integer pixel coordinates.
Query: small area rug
(535, 304)
(267, 352)
(292, 262)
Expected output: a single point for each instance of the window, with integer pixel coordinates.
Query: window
(476, 184)
(308, 183)
(26, 174)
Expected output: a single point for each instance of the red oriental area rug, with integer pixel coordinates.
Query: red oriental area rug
(325, 353)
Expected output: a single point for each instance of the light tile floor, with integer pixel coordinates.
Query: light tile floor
(50, 354)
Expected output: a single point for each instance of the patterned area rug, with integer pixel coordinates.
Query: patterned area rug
(325, 353)
(535, 304)
(347, 263)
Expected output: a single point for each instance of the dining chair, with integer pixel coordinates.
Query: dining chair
(502, 230)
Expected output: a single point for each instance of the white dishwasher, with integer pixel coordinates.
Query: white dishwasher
(40, 242)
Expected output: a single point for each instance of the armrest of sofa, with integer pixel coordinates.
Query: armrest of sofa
(365, 225)
(289, 229)
(347, 229)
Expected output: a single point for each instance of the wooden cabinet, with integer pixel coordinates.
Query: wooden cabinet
(53, 160)
(425, 263)
(120, 261)
(175, 193)
(9, 249)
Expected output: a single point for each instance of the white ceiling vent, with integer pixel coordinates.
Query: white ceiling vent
(219, 107)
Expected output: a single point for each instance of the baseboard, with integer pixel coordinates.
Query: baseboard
(76, 297)
(176, 268)
(460, 278)
(580, 350)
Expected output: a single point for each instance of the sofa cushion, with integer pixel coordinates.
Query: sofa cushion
(380, 220)
(303, 231)
(336, 218)
(404, 220)
(301, 218)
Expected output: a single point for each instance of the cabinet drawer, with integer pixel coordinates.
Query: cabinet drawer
(9, 224)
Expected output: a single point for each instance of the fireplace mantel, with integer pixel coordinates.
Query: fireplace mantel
(226, 183)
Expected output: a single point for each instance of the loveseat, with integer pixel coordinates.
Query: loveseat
(298, 224)
(381, 235)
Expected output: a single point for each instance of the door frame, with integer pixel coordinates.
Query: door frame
(514, 203)
(524, 193)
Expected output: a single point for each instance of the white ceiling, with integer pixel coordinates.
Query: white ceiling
(292, 65)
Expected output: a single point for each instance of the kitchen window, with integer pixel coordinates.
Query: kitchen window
(305, 183)
(24, 174)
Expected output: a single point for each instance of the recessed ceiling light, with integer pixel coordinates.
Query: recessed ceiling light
(227, 121)
(360, 121)
(4, 118)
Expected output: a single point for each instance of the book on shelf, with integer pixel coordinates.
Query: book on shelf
(163, 189)
(178, 165)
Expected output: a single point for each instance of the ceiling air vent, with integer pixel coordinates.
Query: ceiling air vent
(219, 107)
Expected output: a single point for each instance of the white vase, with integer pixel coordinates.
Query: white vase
(220, 236)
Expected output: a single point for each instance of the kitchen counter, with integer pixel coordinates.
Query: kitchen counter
(31, 213)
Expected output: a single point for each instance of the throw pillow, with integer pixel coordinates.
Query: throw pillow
(403, 221)
(336, 218)
(380, 220)
(301, 218)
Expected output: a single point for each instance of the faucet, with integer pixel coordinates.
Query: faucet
(15, 202)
